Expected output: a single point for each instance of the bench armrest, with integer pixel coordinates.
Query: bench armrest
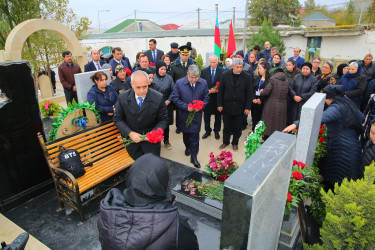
(71, 182)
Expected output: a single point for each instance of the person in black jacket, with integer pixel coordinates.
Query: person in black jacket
(139, 111)
(212, 75)
(143, 215)
(368, 152)
(234, 100)
(260, 82)
(120, 83)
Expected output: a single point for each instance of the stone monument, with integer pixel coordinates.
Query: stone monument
(45, 86)
(308, 130)
(84, 83)
(255, 196)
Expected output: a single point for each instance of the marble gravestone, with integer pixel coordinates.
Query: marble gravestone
(255, 196)
(45, 86)
(308, 130)
(84, 83)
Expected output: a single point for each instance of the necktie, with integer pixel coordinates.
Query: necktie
(193, 86)
(97, 66)
(154, 56)
(140, 102)
(212, 75)
(184, 64)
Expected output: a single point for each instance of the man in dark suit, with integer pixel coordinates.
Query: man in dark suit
(234, 100)
(144, 64)
(174, 53)
(153, 54)
(139, 111)
(118, 59)
(212, 75)
(299, 60)
(96, 63)
(185, 91)
(266, 53)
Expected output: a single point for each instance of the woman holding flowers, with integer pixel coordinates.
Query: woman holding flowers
(344, 125)
(187, 90)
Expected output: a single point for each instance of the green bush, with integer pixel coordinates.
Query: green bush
(199, 62)
(350, 220)
(267, 33)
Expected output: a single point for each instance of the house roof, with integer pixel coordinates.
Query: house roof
(125, 24)
(317, 16)
(170, 26)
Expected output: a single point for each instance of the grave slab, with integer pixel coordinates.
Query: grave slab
(84, 83)
(45, 86)
(255, 195)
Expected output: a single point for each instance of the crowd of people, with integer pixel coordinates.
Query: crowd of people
(260, 83)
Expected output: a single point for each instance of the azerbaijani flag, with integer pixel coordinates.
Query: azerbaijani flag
(140, 26)
(217, 50)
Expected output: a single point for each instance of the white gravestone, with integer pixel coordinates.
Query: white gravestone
(84, 83)
(45, 86)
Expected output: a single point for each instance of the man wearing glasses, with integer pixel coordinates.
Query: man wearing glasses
(185, 91)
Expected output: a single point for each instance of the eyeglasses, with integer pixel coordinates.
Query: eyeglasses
(193, 77)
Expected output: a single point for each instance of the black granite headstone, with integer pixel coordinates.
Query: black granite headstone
(23, 169)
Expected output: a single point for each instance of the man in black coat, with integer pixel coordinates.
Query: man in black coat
(174, 53)
(153, 54)
(139, 111)
(96, 63)
(266, 53)
(234, 100)
(144, 64)
(212, 75)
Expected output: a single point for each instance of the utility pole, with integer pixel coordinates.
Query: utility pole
(135, 20)
(217, 8)
(360, 16)
(245, 26)
(372, 11)
(199, 18)
(234, 19)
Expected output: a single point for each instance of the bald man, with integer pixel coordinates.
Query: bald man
(96, 63)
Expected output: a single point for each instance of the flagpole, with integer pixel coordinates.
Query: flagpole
(245, 26)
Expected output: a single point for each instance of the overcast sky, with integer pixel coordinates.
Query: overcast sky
(162, 11)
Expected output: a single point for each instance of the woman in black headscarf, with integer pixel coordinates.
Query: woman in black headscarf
(165, 84)
(143, 216)
(344, 125)
(325, 78)
(342, 69)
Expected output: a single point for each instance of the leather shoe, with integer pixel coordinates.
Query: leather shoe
(235, 148)
(187, 152)
(206, 135)
(222, 146)
(217, 136)
(195, 162)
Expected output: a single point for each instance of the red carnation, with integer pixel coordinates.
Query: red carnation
(322, 126)
(128, 71)
(197, 105)
(155, 136)
(321, 139)
(321, 131)
(297, 175)
(301, 164)
(294, 162)
(289, 197)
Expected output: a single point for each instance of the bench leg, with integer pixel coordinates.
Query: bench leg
(79, 206)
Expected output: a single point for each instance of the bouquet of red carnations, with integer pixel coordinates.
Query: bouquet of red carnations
(154, 136)
(197, 105)
(217, 87)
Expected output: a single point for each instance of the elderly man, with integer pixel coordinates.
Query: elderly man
(185, 91)
(66, 71)
(144, 64)
(153, 54)
(212, 75)
(299, 60)
(275, 50)
(118, 59)
(266, 53)
(234, 100)
(96, 63)
(139, 111)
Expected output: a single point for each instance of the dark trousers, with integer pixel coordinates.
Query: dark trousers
(136, 150)
(234, 122)
(191, 141)
(166, 134)
(70, 95)
(207, 122)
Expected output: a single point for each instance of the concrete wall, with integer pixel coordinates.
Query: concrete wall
(318, 23)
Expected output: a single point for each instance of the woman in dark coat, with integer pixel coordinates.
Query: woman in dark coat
(165, 84)
(344, 125)
(301, 89)
(342, 69)
(291, 70)
(354, 83)
(276, 61)
(143, 215)
(275, 106)
(260, 83)
(325, 78)
(104, 96)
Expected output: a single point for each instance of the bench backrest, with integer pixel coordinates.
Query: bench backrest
(92, 145)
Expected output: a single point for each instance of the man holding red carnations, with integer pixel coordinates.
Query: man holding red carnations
(190, 94)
